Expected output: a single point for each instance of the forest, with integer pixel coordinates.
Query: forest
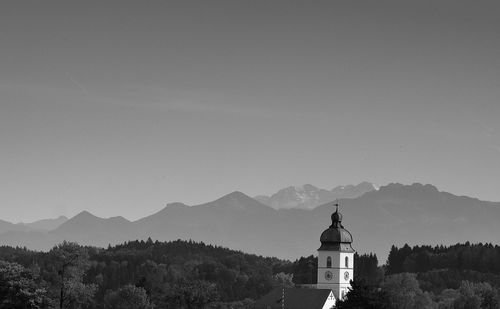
(187, 274)
(460, 276)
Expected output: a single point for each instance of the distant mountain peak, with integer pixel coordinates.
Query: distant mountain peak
(309, 196)
(47, 224)
(84, 214)
(237, 197)
(305, 187)
(414, 186)
(236, 194)
(236, 200)
(82, 218)
(118, 219)
(175, 205)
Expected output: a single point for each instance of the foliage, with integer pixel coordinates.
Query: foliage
(304, 270)
(127, 297)
(403, 292)
(476, 295)
(186, 274)
(157, 267)
(18, 288)
(191, 294)
(283, 280)
(361, 296)
(366, 269)
(241, 304)
(479, 257)
(184, 271)
(460, 276)
(71, 261)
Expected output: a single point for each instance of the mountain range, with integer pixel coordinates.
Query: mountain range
(393, 214)
(309, 196)
(40, 225)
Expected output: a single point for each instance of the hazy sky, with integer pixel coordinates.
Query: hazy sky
(121, 107)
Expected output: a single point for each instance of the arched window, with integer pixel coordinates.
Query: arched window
(347, 262)
(329, 262)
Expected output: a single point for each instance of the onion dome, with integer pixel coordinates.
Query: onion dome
(336, 237)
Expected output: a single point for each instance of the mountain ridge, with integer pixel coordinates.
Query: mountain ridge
(47, 224)
(394, 214)
(308, 196)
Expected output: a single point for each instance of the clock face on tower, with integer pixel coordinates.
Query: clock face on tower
(346, 275)
(328, 275)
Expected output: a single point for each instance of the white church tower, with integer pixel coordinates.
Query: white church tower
(336, 258)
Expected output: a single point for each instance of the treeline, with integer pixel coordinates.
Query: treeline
(440, 267)
(147, 274)
(159, 267)
(477, 257)
(460, 276)
(187, 274)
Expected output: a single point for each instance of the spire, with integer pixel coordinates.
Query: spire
(336, 216)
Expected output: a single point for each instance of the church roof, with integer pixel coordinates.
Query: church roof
(294, 299)
(336, 237)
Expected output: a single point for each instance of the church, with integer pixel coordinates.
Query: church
(335, 270)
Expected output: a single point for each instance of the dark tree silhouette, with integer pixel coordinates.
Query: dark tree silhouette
(362, 296)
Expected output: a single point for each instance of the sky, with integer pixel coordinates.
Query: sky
(120, 107)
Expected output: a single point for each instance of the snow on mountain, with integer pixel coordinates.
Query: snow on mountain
(309, 196)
